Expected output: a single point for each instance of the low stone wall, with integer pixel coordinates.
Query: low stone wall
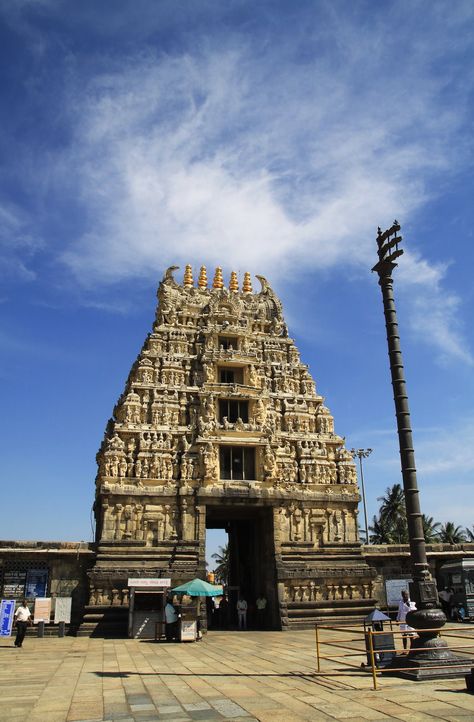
(66, 565)
(392, 561)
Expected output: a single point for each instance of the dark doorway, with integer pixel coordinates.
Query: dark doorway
(252, 571)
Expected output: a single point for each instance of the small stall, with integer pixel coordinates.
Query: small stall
(146, 608)
(459, 576)
(189, 627)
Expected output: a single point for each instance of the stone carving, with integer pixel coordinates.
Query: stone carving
(209, 462)
(166, 453)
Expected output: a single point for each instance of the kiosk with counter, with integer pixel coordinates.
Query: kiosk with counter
(146, 611)
(190, 614)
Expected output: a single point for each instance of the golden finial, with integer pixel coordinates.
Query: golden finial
(247, 284)
(202, 283)
(188, 277)
(218, 280)
(233, 284)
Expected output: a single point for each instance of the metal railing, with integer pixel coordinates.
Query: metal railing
(362, 643)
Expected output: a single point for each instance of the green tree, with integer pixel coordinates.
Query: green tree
(221, 570)
(469, 533)
(431, 529)
(451, 534)
(392, 514)
(381, 531)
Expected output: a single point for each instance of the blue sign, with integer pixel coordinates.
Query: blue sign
(36, 582)
(7, 610)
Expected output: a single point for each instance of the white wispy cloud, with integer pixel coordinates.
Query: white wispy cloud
(445, 469)
(450, 452)
(18, 243)
(240, 153)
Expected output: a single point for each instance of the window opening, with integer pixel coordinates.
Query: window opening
(228, 342)
(237, 462)
(233, 409)
(229, 375)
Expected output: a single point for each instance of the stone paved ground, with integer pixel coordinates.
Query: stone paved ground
(265, 676)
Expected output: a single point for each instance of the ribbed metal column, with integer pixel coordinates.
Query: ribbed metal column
(407, 453)
(431, 650)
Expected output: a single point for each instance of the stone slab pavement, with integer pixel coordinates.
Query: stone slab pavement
(242, 677)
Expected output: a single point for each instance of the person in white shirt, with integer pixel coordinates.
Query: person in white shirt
(404, 607)
(22, 619)
(242, 613)
(446, 597)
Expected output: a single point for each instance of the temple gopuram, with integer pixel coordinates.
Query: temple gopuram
(220, 426)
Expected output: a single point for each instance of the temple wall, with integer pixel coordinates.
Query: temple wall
(68, 564)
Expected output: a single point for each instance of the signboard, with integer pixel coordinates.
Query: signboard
(62, 610)
(148, 583)
(42, 610)
(393, 590)
(14, 584)
(188, 631)
(7, 611)
(36, 582)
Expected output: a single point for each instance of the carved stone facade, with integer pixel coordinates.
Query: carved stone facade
(220, 425)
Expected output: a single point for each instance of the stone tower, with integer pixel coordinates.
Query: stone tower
(220, 426)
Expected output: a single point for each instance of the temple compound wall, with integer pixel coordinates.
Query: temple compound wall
(66, 565)
(220, 425)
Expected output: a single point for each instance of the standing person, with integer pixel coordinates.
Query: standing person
(224, 612)
(23, 620)
(446, 598)
(171, 619)
(261, 604)
(404, 607)
(242, 613)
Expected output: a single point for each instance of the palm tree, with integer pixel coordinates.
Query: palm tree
(431, 529)
(451, 534)
(393, 503)
(392, 512)
(381, 531)
(469, 534)
(222, 569)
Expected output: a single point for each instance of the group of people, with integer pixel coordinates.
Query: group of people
(253, 615)
(218, 615)
(453, 610)
(260, 611)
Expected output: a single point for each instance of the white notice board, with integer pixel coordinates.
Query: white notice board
(42, 612)
(62, 610)
(188, 631)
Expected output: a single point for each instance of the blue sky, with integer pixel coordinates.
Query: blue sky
(272, 137)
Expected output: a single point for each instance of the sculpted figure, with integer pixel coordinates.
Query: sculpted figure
(168, 297)
(260, 412)
(303, 474)
(336, 525)
(269, 463)
(116, 443)
(209, 457)
(253, 377)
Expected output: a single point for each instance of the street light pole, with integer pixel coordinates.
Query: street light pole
(430, 648)
(363, 454)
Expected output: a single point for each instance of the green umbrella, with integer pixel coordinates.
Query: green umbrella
(199, 588)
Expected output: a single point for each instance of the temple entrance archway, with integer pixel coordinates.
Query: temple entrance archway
(251, 560)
